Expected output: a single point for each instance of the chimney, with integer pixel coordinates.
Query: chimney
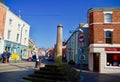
(81, 25)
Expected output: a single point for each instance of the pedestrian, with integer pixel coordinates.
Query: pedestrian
(8, 55)
(0, 57)
(37, 61)
(4, 57)
(40, 59)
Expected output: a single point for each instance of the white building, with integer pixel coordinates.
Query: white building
(14, 33)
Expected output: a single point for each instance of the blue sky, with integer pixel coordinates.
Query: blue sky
(44, 16)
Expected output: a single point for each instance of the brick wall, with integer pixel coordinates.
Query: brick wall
(97, 26)
(2, 20)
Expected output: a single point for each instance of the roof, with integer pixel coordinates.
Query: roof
(104, 9)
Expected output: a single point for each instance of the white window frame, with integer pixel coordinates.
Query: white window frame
(105, 30)
(107, 12)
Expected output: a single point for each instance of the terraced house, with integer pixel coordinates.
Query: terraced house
(14, 33)
(104, 32)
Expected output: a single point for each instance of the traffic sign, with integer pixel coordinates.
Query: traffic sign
(82, 57)
(81, 37)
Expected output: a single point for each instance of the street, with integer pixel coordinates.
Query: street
(14, 72)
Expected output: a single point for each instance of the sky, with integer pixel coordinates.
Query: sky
(43, 16)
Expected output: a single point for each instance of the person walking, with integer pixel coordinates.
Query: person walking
(37, 61)
(8, 54)
(40, 60)
(4, 57)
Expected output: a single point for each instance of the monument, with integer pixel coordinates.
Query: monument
(57, 72)
(59, 44)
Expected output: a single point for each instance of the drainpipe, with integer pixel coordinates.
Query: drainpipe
(21, 41)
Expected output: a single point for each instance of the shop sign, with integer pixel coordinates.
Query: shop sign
(112, 49)
(14, 56)
(82, 57)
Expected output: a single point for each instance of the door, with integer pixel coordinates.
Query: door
(96, 62)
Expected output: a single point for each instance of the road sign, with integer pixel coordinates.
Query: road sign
(81, 37)
(82, 57)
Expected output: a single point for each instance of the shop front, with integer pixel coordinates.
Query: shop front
(24, 52)
(13, 48)
(104, 59)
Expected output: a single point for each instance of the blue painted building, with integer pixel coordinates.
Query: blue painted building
(75, 48)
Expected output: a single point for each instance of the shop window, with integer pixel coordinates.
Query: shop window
(113, 60)
(108, 37)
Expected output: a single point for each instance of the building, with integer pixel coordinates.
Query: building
(31, 48)
(104, 32)
(41, 51)
(75, 48)
(14, 33)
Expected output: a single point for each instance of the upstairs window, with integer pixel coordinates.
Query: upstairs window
(9, 33)
(25, 39)
(17, 38)
(107, 17)
(10, 21)
(108, 37)
(25, 31)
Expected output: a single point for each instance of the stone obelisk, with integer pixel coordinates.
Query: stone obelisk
(59, 44)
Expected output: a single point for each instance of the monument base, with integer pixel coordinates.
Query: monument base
(54, 73)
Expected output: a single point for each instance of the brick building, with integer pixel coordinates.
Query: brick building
(104, 48)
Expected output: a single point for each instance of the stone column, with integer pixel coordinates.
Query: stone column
(59, 44)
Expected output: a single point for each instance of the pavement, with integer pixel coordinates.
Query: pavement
(6, 67)
(14, 72)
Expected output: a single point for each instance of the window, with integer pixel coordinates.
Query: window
(25, 40)
(10, 21)
(113, 60)
(108, 36)
(9, 33)
(17, 38)
(107, 18)
(26, 31)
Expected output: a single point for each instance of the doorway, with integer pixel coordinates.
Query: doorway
(96, 62)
